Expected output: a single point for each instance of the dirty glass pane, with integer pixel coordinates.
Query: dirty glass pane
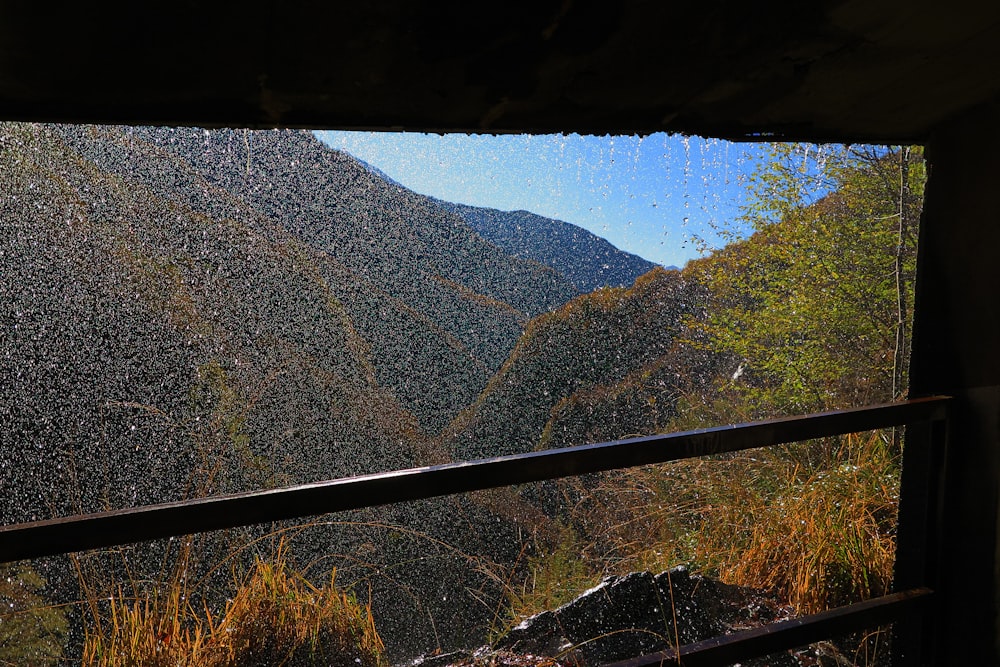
(187, 313)
(583, 571)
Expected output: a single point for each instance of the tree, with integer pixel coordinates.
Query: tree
(815, 305)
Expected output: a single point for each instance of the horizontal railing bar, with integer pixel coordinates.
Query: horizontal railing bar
(789, 634)
(117, 527)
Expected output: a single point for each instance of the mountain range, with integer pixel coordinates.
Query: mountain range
(189, 312)
(585, 259)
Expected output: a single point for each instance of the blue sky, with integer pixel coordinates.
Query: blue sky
(659, 196)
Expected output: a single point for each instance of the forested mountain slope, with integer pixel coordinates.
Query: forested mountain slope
(199, 309)
(189, 313)
(587, 260)
(438, 305)
(808, 313)
(616, 355)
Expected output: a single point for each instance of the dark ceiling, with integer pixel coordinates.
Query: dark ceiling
(851, 70)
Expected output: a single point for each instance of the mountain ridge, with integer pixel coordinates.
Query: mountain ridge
(589, 261)
(392, 241)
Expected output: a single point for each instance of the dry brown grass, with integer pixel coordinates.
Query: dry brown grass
(146, 633)
(275, 617)
(278, 618)
(820, 536)
(813, 522)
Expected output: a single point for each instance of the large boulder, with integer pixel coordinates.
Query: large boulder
(639, 613)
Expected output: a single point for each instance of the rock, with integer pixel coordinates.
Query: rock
(441, 659)
(641, 614)
(638, 614)
(539, 634)
(487, 657)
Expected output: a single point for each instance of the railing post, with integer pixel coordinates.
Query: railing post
(918, 539)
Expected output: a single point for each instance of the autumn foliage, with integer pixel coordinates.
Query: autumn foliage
(810, 312)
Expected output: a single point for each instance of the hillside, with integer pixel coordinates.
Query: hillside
(809, 313)
(605, 365)
(233, 297)
(193, 312)
(438, 305)
(156, 349)
(172, 329)
(587, 260)
(803, 315)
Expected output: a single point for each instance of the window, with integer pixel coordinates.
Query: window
(191, 313)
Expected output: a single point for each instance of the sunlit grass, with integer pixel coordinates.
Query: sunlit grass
(553, 579)
(274, 617)
(828, 540)
(813, 523)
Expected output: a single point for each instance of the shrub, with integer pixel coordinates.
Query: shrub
(275, 618)
(278, 618)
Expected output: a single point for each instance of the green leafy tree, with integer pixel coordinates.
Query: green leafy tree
(814, 308)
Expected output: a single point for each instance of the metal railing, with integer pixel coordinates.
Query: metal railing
(917, 540)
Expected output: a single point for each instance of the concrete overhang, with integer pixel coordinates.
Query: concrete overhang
(855, 70)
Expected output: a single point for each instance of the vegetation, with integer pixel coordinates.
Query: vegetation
(274, 617)
(32, 632)
(264, 330)
(820, 536)
(554, 579)
(809, 313)
(815, 306)
(815, 310)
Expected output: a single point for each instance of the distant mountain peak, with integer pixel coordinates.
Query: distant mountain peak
(585, 259)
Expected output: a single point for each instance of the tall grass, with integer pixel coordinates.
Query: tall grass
(553, 578)
(812, 522)
(831, 543)
(274, 617)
